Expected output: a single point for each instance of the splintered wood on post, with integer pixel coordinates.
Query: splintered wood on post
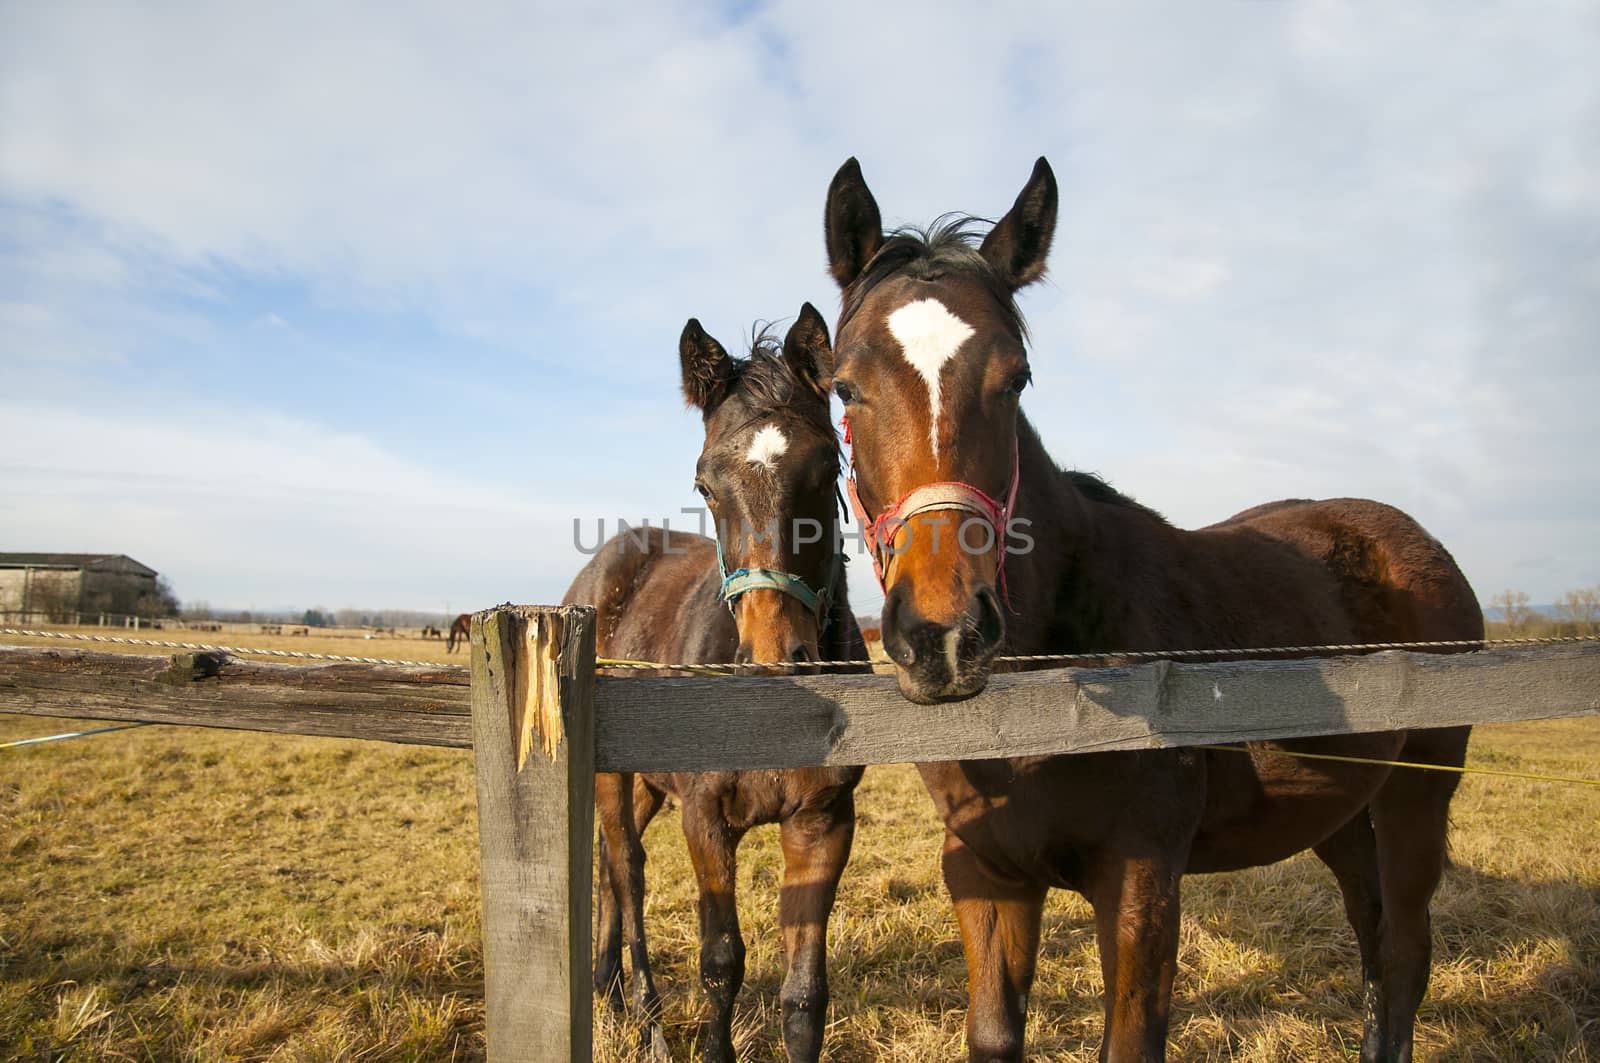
(533, 737)
(536, 703)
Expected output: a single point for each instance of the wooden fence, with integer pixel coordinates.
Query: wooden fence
(542, 723)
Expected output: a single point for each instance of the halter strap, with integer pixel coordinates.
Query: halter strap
(744, 580)
(939, 495)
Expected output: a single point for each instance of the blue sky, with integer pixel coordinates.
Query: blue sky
(343, 305)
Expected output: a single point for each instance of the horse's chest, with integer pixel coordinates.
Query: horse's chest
(1049, 819)
(746, 799)
(758, 797)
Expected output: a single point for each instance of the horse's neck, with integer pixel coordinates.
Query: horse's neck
(1070, 590)
(842, 641)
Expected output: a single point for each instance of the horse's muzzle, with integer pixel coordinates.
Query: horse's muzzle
(940, 660)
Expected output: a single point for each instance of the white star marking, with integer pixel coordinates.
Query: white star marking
(767, 446)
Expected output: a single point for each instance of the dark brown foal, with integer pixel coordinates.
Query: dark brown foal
(768, 473)
(931, 364)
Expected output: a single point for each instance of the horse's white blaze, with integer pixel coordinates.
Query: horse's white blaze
(929, 336)
(767, 446)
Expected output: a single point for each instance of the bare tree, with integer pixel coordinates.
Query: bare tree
(159, 601)
(55, 594)
(1581, 609)
(1513, 609)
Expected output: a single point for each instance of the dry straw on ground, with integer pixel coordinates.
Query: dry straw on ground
(183, 894)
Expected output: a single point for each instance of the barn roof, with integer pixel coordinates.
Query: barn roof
(101, 562)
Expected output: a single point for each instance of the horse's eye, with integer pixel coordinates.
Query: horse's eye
(1020, 381)
(704, 491)
(846, 392)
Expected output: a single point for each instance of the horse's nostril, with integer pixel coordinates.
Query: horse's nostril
(991, 625)
(800, 655)
(895, 643)
(744, 655)
(899, 650)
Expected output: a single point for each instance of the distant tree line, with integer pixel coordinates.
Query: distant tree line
(1574, 613)
(318, 616)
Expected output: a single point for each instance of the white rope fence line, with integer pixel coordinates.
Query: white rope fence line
(238, 650)
(715, 668)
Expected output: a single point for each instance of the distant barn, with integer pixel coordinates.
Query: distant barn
(61, 588)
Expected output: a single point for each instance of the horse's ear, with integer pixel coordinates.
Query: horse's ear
(1019, 244)
(853, 224)
(807, 350)
(708, 372)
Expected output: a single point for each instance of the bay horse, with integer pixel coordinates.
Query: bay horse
(768, 472)
(930, 364)
(460, 631)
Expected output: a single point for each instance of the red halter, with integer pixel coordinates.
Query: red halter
(942, 494)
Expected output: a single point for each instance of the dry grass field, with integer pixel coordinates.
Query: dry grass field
(182, 894)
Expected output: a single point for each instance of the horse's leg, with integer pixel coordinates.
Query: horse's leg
(625, 859)
(713, 848)
(816, 847)
(1411, 817)
(647, 801)
(608, 930)
(1351, 853)
(1000, 934)
(1137, 910)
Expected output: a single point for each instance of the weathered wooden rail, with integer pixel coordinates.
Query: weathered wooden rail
(542, 723)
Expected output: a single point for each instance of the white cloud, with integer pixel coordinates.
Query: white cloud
(245, 509)
(1304, 248)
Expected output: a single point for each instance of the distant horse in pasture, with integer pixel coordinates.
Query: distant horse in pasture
(460, 631)
(770, 462)
(931, 367)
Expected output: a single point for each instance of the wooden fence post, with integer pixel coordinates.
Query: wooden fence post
(533, 741)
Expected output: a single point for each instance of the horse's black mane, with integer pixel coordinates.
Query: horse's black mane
(1095, 489)
(949, 245)
(768, 382)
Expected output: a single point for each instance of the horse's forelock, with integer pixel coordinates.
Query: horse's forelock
(768, 384)
(948, 246)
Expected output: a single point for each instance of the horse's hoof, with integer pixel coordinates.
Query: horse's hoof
(656, 1044)
(717, 1050)
(611, 993)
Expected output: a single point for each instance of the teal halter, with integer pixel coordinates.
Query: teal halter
(744, 580)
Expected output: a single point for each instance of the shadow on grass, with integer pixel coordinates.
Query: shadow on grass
(1527, 1007)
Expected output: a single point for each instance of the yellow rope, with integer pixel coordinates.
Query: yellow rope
(1408, 764)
